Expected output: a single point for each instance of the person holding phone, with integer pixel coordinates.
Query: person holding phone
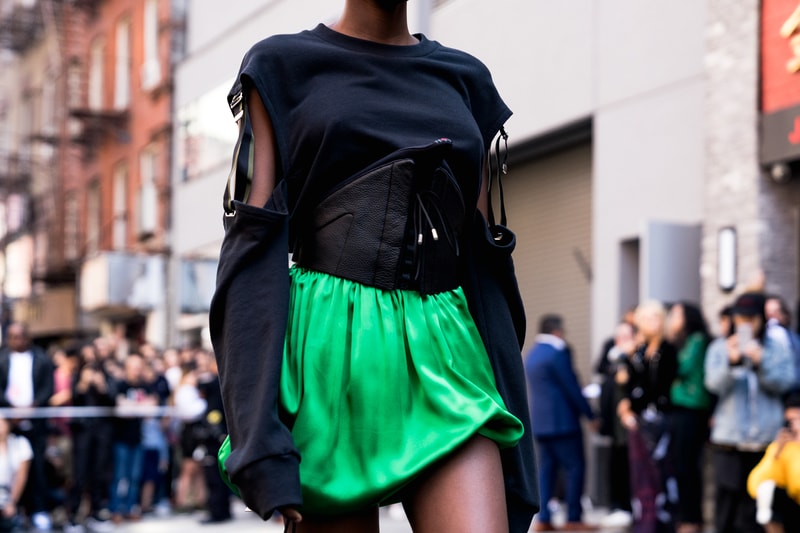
(749, 372)
(775, 482)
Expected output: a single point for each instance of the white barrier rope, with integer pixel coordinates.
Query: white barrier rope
(121, 411)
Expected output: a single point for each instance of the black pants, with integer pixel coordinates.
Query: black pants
(786, 511)
(33, 497)
(219, 495)
(735, 510)
(689, 431)
(620, 478)
(91, 456)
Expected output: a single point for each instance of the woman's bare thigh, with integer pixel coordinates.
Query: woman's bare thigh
(462, 494)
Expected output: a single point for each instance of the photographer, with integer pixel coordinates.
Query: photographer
(775, 482)
(748, 371)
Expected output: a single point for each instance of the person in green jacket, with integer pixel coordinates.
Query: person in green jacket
(687, 330)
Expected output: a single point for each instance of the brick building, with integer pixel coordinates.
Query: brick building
(98, 129)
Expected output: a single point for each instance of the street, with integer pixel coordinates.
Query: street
(245, 522)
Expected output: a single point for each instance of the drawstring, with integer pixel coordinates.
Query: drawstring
(434, 233)
(421, 216)
(286, 526)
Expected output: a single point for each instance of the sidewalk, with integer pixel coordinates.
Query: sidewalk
(246, 522)
(243, 522)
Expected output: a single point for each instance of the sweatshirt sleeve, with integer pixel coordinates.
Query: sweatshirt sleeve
(248, 319)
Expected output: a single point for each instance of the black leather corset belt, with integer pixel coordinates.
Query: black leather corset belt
(394, 225)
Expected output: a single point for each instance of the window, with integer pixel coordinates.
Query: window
(74, 85)
(48, 112)
(122, 81)
(47, 118)
(206, 135)
(96, 59)
(71, 221)
(25, 129)
(93, 217)
(119, 203)
(148, 194)
(151, 69)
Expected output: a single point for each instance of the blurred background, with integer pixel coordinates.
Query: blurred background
(654, 154)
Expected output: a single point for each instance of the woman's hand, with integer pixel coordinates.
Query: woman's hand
(629, 421)
(9, 510)
(734, 355)
(626, 416)
(291, 514)
(755, 352)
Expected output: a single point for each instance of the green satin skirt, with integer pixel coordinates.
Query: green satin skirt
(380, 385)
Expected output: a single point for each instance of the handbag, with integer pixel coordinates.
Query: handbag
(492, 292)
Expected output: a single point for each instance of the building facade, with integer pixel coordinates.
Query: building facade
(90, 106)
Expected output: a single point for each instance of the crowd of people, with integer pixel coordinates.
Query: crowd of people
(136, 432)
(673, 397)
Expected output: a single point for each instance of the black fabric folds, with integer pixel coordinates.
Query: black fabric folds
(490, 285)
(248, 326)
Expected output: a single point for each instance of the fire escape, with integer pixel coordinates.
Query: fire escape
(92, 125)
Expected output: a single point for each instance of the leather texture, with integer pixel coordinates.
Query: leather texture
(396, 225)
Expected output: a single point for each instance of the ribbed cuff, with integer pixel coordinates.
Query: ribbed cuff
(269, 484)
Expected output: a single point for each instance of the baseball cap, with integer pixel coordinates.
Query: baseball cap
(749, 304)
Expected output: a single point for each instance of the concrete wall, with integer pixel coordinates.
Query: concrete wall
(732, 176)
(622, 62)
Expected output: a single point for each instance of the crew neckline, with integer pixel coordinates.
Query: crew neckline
(424, 46)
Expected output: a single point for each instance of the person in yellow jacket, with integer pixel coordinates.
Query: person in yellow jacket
(775, 481)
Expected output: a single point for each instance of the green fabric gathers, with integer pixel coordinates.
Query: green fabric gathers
(379, 385)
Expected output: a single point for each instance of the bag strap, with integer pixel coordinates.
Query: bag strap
(496, 174)
(240, 177)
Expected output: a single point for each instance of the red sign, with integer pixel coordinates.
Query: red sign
(780, 54)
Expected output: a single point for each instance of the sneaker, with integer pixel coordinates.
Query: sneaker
(72, 527)
(617, 519)
(578, 526)
(41, 521)
(98, 525)
(765, 493)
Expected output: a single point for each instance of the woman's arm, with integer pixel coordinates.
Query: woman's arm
(718, 377)
(20, 478)
(776, 370)
(264, 154)
(483, 198)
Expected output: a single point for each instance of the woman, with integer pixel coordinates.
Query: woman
(384, 388)
(748, 372)
(190, 408)
(775, 482)
(687, 330)
(646, 380)
(15, 462)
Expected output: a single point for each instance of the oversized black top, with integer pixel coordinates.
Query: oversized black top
(338, 104)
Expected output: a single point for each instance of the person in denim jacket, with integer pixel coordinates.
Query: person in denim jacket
(749, 373)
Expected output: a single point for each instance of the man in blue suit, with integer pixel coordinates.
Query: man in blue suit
(557, 404)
